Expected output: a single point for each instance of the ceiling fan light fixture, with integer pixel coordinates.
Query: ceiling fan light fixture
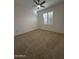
(38, 6)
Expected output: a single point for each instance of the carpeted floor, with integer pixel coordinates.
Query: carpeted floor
(39, 44)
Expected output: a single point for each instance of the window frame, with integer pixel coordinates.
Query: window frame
(49, 16)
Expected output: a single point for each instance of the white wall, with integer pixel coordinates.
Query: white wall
(24, 20)
(58, 19)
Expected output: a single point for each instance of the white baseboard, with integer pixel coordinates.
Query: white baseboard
(30, 29)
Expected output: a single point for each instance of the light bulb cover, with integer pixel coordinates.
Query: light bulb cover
(38, 6)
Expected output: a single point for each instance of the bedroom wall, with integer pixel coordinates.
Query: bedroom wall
(58, 18)
(24, 20)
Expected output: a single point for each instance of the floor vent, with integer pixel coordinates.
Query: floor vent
(19, 55)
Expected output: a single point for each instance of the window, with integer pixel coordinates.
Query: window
(45, 18)
(48, 17)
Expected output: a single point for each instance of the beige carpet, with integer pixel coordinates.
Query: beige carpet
(39, 44)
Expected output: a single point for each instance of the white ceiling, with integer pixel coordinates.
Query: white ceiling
(29, 3)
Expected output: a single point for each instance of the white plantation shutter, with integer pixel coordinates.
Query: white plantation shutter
(48, 18)
(45, 18)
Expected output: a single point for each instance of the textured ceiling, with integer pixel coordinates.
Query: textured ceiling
(29, 3)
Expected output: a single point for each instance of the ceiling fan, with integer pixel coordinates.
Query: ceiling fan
(39, 3)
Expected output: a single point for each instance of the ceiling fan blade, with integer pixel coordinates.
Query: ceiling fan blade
(38, 0)
(43, 6)
(35, 2)
(33, 5)
(42, 2)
